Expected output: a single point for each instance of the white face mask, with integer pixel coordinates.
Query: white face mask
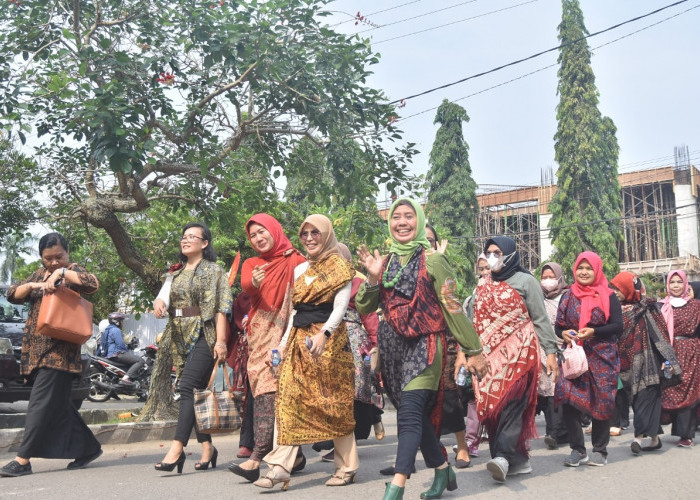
(549, 284)
(495, 263)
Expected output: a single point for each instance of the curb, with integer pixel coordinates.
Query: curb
(130, 432)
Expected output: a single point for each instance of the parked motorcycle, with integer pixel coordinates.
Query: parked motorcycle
(105, 375)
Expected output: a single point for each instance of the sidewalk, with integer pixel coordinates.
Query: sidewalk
(95, 415)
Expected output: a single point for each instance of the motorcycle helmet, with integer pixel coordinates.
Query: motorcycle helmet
(116, 318)
(103, 326)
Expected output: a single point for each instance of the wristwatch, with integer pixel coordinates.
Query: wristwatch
(63, 272)
(327, 334)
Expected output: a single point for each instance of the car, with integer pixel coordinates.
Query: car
(16, 387)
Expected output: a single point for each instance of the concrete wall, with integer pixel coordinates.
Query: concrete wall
(687, 219)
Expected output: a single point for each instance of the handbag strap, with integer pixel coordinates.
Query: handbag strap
(227, 377)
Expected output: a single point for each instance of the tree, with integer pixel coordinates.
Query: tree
(169, 111)
(587, 206)
(451, 201)
(13, 246)
(18, 208)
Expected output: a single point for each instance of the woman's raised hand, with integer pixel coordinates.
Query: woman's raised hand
(258, 275)
(372, 263)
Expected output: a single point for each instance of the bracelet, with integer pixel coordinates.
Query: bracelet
(220, 344)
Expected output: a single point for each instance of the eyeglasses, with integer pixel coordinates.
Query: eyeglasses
(191, 237)
(314, 234)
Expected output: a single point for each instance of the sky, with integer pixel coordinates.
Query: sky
(648, 81)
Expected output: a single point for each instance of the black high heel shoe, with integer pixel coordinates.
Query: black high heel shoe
(205, 465)
(250, 475)
(166, 467)
(299, 464)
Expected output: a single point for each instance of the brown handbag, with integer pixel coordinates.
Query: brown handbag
(65, 315)
(217, 412)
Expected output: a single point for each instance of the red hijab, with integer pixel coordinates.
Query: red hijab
(597, 294)
(281, 261)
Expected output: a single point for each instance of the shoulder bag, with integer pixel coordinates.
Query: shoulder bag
(65, 315)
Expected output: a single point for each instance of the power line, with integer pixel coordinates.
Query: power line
(533, 56)
(454, 22)
(377, 12)
(415, 17)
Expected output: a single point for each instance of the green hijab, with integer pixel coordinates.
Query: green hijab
(421, 239)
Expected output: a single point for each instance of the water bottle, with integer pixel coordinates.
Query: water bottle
(368, 360)
(667, 369)
(461, 379)
(276, 359)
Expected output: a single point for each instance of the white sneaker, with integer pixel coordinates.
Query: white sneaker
(498, 467)
(523, 468)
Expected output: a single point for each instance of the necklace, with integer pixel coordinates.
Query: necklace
(385, 277)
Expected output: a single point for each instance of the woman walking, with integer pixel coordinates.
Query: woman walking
(589, 313)
(682, 315)
(553, 286)
(53, 427)
(199, 302)
(415, 288)
(643, 351)
(511, 320)
(316, 380)
(268, 280)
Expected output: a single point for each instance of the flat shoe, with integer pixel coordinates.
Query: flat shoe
(82, 462)
(244, 452)
(652, 448)
(15, 469)
(390, 471)
(636, 448)
(462, 464)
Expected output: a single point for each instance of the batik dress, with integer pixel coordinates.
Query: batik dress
(594, 392)
(686, 344)
(315, 397)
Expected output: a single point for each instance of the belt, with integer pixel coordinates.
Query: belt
(185, 312)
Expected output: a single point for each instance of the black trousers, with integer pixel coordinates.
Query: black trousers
(600, 436)
(621, 415)
(195, 375)
(53, 427)
(366, 415)
(684, 422)
(415, 430)
(247, 437)
(646, 405)
(504, 441)
(130, 360)
(554, 421)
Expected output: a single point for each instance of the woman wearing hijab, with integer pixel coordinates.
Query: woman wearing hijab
(589, 313)
(453, 409)
(415, 288)
(511, 320)
(682, 315)
(643, 351)
(316, 378)
(267, 279)
(553, 285)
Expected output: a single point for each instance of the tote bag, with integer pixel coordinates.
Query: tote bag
(217, 412)
(575, 363)
(65, 315)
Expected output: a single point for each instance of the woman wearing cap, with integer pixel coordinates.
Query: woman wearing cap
(589, 313)
(510, 317)
(316, 381)
(682, 315)
(415, 288)
(643, 351)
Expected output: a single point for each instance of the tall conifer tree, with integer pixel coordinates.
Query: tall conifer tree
(587, 207)
(452, 203)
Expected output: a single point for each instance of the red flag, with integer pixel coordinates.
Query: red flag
(234, 269)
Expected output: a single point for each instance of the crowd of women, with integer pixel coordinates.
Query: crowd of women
(342, 336)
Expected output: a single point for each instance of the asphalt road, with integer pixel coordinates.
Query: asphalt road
(126, 471)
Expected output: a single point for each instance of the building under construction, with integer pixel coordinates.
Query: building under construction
(659, 224)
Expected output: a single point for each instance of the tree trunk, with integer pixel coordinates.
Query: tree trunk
(160, 404)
